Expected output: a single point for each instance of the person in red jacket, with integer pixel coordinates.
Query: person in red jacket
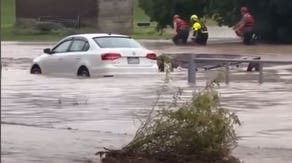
(182, 30)
(244, 28)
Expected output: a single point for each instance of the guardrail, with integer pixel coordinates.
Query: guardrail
(226, 63)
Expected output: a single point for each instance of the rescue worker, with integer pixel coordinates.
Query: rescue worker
(200, 31)
(182, 30)
(245, 27)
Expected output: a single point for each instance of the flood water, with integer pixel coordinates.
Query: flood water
(53, 119)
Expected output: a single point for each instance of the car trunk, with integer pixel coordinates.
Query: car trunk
(132, 57)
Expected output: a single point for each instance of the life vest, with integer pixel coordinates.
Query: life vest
(249, 20)
(180, 24)
(200, 27)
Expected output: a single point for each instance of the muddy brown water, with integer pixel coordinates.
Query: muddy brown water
(55, 119)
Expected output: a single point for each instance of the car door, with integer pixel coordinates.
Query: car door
(53, 63)
(72, 60)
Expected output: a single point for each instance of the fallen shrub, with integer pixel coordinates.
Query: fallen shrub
(198, 131)
(166, 60)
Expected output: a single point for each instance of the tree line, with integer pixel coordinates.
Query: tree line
(273, 19)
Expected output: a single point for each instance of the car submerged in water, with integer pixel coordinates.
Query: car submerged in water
(95, 55)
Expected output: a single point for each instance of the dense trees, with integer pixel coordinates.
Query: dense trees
(273, 19)
(161, 11)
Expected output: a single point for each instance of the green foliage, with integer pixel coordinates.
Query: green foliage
(199, 131)
(157, 10)
(225, 12)
(162, 11)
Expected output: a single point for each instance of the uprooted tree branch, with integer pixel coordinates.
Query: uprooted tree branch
(198, 131)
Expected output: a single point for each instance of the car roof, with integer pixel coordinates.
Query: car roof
(93, 35)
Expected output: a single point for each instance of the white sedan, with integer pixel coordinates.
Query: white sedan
(91, 55)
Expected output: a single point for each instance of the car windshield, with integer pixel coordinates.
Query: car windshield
(116, 42)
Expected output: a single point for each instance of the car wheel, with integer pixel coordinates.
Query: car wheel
(83, 72)
(35, 70)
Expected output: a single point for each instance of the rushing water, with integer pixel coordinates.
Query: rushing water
(53, 119)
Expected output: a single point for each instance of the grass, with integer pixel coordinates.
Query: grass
(139, 14)
(8, 35)
(7, 18)
(7, 13)
(150, 32)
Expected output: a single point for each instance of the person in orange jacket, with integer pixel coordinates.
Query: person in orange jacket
(182, 30)
(245, 27)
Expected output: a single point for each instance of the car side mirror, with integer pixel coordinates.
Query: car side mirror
(47, 51)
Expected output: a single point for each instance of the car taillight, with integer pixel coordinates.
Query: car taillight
(151, 56)
(110, 56)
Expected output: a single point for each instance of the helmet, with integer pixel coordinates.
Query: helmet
(194, 18)
(176, 16)
(244, 9)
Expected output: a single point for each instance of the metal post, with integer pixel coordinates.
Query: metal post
(227, 73)
(261, 75)
(192, 70)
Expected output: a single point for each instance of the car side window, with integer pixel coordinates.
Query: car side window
(79, 45)
(86, 46)
(63, 47)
